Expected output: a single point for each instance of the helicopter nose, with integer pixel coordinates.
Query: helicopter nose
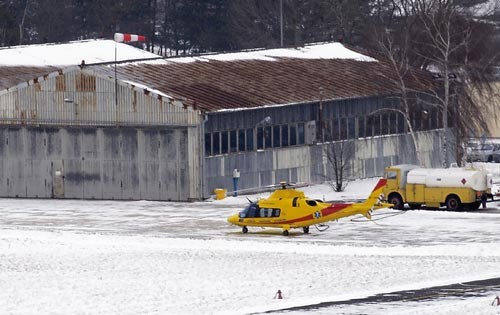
(233, 219)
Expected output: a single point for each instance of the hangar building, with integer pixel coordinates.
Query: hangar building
(75, 123)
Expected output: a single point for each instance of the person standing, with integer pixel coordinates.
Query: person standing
(236, 177)
(484, 197)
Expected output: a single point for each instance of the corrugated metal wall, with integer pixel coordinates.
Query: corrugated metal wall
(80, 97)
(69, 135)
(309, 164)
(99, 163)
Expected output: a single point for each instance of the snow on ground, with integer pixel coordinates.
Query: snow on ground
(143, 257)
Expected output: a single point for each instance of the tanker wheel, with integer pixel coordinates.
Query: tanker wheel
(306, 229)
(397, 201)
(453, 203)
(244, 230)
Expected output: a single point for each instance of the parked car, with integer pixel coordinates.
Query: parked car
(495, 156)
(485, 152)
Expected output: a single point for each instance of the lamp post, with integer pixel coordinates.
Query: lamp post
(447, 78)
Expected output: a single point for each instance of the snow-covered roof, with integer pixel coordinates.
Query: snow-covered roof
(71, 53)
(215, 82)
(313, 51)
(260, 78)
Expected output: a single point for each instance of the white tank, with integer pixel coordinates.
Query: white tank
(449, 177)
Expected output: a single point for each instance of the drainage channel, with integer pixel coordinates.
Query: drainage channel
(457, 290)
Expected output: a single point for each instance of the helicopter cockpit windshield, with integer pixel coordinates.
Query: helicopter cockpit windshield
(250, 211)
(254, 211)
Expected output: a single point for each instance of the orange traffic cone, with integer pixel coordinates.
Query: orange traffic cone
(278, 295)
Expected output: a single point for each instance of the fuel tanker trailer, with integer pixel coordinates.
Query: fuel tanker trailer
(455, 188)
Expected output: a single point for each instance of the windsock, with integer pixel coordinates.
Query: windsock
(119, 37)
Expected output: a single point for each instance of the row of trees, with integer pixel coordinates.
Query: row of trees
(458, 41)
(182, 26)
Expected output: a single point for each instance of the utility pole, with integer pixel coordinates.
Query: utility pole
(320, 117)
(281, 22)
(448, 77)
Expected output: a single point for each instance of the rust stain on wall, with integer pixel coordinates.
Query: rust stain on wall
(85, 83)
(60, 83)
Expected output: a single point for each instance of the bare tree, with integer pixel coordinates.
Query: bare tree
(442, 36)
(400, 73)
(21, 24)
(339, 157)
(449, 42)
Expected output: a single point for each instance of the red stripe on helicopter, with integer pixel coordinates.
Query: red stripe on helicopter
(324, 212)
(336, 207)
(307, 217)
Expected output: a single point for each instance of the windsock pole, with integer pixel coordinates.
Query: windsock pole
(116, 84)
(124, 38)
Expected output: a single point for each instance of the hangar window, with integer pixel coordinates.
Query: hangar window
(284, 135)
(267, 137)
(208, 144)
(343, 128)
(401, 124)
(293, 134)
(224, 144)
(393, 123)
(264, 137)
(216, 143)
(385, 124)
(433, 117)
(361, 127)
(351, 128)
(241, 140)
(336, 125)
(376, 125)
(301, 135)
(260, 138)
(233, 141)
(276, 136)
(249, 139)
(369, 126)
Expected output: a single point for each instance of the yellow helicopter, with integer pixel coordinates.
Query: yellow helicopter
(289, 208)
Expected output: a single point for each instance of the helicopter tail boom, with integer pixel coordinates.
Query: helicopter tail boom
(374, 201)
